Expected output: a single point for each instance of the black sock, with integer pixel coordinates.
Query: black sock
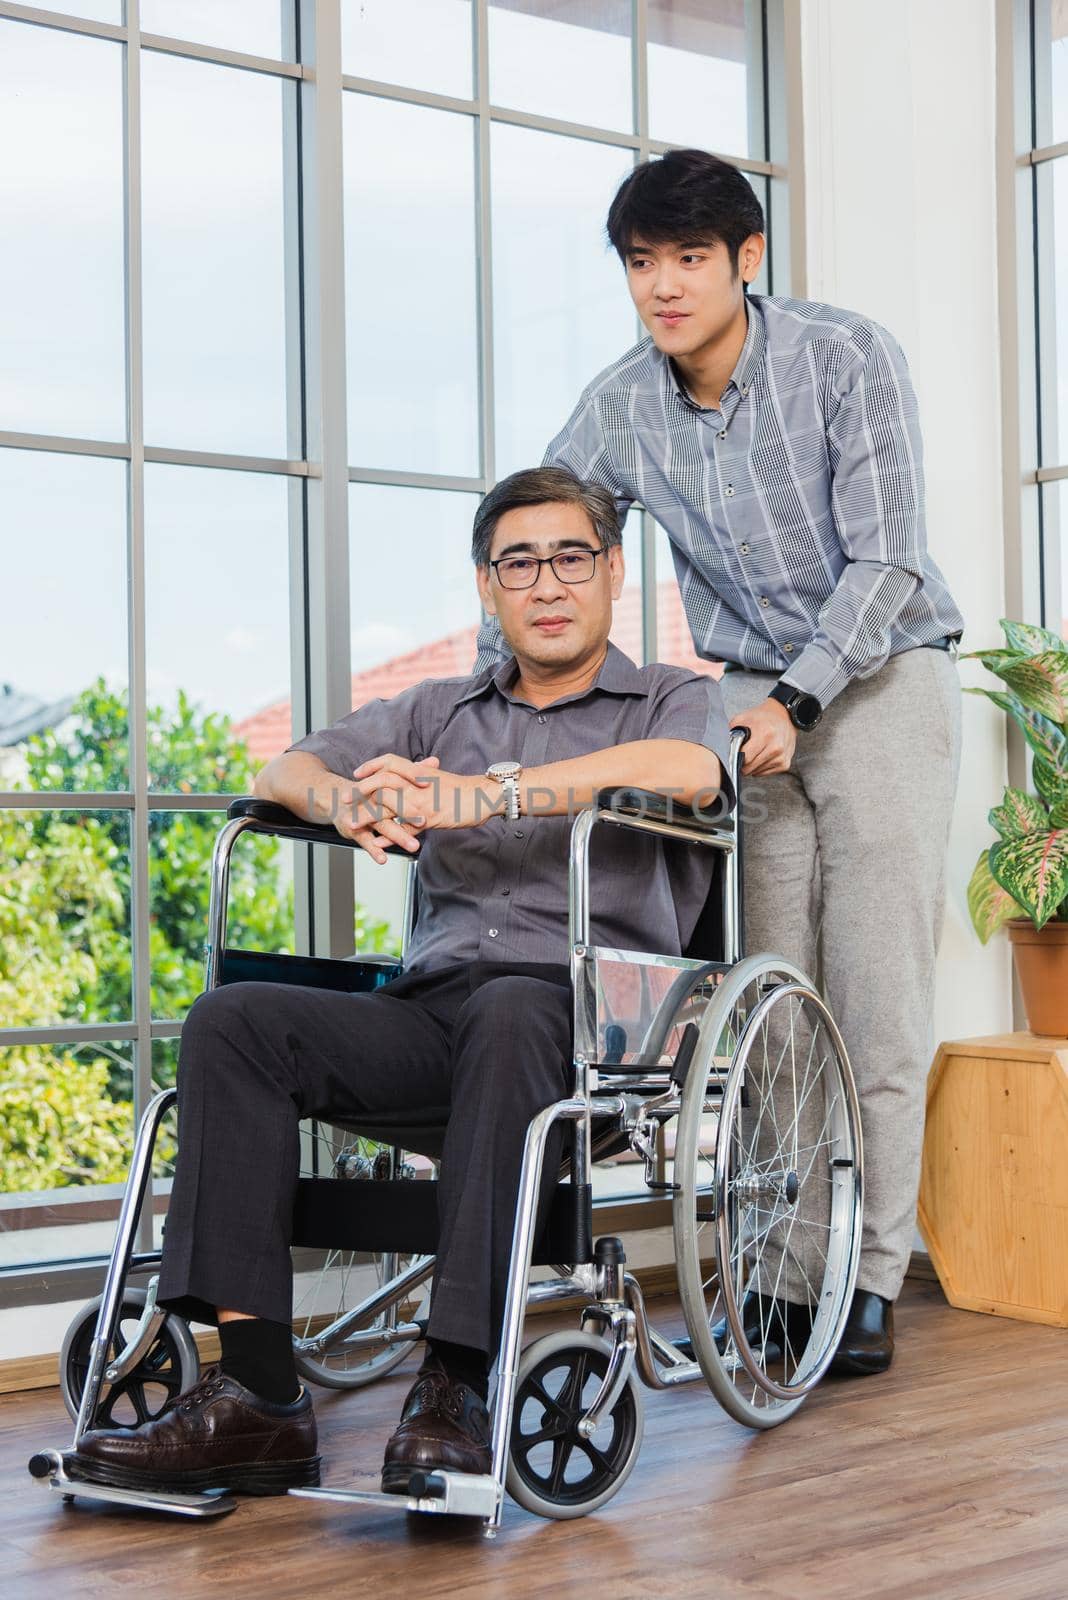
(460, 1361)
(259, 1354)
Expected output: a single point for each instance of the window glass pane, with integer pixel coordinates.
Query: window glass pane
(260, 901)
(424, 44)
(698, 74)
(214, 290)
(254, 26)
(761, 187)
(425, 626)
(1055, 536)
(66, 1137)
(216, 622)
(1059, 73)
(61, 263)
(561, 310)
(1055, 385)
(410, 283)
(93, 10)
(575, 64)
(63, 665)
(627, 626)
(64, 917)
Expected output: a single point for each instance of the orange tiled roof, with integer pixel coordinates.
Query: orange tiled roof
(268, 732)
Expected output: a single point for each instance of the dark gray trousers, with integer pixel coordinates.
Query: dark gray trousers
(491, 1043)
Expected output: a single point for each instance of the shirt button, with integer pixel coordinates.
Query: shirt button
(764, 601)
(722, 434)
(519, 833)
(730, 490)
(787, 648)
(744, 549)
(492, 932)
(541, 718)
(506, 891)
(745, 388)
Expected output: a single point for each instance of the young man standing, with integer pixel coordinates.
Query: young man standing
(777, 443)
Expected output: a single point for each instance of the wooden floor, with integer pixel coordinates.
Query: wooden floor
(947, 1477)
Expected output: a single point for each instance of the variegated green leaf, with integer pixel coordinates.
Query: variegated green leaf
(997, 661)
(1041, 682)
(1028, 638)
(1058, 817)
(1019, 813)
(990, 905)
(1034, 870)
(1051, 784)
(1045, 737)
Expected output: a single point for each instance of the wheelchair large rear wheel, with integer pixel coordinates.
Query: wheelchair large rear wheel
(767, 1209)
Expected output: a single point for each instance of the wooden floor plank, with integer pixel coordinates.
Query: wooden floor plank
(944, 1479)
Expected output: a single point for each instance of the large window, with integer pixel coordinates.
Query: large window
(1043, 52)
(284, 289)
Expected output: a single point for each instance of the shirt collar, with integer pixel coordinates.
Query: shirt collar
(745, 368)
(618, 675)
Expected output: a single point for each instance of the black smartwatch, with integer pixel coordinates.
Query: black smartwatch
(805, 710)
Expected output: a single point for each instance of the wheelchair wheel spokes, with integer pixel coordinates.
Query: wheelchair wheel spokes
(342, 1281)
(330, 1284)
(768, 1213)
(553, 1469)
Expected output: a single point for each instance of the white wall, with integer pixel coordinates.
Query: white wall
(900, 204)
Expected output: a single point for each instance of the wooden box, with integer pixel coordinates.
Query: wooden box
(993, 1205)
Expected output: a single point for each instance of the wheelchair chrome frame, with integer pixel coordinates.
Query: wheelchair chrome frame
(613, 1297)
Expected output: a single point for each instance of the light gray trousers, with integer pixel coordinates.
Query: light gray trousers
(844, 874)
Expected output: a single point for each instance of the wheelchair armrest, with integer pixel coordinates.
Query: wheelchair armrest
(269, 817)
(668, 811)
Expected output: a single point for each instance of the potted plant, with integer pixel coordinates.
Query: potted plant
(1022, 880)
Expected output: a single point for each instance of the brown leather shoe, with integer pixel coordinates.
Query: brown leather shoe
(444, 1424)
(218, 1435)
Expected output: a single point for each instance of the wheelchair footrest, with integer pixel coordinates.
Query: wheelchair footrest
(457, 1494)
(49, 1468)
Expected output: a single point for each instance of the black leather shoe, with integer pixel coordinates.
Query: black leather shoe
(218, 1435)
(762, 1320)
(867, 1342)
(444, 1425)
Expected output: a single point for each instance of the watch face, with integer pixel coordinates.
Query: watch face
(806, 711)
(504, 769)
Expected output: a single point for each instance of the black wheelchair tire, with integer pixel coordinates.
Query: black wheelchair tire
(528, 1487)
(171, 1362)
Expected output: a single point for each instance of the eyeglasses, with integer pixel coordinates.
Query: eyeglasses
(523, 572)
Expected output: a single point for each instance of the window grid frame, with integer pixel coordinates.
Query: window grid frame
(1041, 443)
(319, 526)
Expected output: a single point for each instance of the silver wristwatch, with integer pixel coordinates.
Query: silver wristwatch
(506, 773)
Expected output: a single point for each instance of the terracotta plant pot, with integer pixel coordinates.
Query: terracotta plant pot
(1042, 965)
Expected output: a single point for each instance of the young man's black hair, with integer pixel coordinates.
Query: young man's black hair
(684, 197)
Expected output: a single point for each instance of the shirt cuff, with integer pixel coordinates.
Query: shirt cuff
(817, 671)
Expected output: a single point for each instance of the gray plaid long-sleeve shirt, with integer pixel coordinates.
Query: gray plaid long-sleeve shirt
(794, 510)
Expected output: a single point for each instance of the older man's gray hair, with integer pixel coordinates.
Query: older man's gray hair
(539, 486)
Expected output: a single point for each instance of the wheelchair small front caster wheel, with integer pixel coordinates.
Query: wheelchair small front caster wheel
(552, 1470)
(168, 1367)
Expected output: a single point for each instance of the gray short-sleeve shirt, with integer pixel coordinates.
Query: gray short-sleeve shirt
(498, 891)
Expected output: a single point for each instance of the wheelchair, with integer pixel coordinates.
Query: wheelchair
(725, 1074)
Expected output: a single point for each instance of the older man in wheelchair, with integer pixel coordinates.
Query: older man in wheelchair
(528, 1008)
(481, 777)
